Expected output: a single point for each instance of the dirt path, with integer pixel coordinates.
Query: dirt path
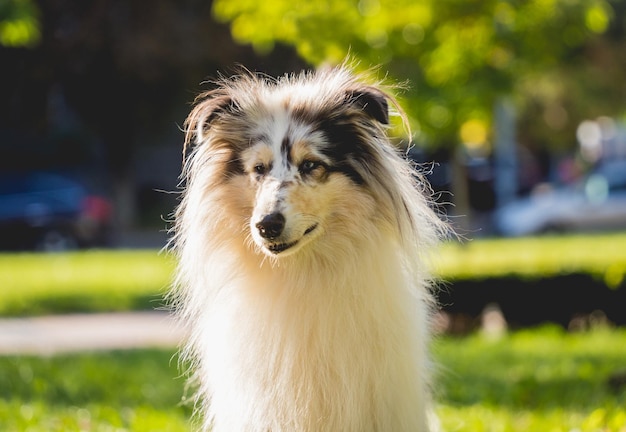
(51, 335)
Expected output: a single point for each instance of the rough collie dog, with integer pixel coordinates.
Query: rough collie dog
(301, 238)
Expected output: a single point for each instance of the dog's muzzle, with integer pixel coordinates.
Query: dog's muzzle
(271, 228)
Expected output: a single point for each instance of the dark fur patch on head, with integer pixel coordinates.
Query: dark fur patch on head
(285, 149)
(372, 102)
(233, 167)
(347, 148)
(209, 106)
(348, 128)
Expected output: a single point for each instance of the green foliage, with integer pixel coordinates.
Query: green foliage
(459, 56)
(19, 23)
(534, 380)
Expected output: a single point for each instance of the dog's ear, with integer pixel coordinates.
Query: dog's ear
(372, 101)
(208, 107)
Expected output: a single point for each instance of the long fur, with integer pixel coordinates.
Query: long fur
(325, 326)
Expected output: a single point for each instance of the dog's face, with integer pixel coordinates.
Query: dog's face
(295, 158)
(293, 186)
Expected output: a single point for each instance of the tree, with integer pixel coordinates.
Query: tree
(123, 67)
(126, 73)
(462, 58)
(458, 55)
(19, 23)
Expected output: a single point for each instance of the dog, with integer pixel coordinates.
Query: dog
(302, 238)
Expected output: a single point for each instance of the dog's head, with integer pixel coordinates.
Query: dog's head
(297, 158)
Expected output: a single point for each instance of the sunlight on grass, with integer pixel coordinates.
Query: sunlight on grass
(83, 281)
(533, 380)
(541, 379)
(116, 391)
(119, 280)
(603, 256)
(41, 417)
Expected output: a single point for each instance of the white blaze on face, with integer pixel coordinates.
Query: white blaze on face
(284, 167)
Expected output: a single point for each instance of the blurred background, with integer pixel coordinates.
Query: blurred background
(93, 98)
(519, 105)
(517, 111)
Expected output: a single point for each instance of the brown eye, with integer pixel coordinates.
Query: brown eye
(307, 166)
(260, 169)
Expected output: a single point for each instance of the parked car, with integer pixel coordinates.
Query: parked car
(50, 211)
(596, 203)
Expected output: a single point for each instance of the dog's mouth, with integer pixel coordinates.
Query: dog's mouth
(277, 248)
(310, 229)
(280, 247)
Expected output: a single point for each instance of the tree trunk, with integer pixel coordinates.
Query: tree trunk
(505, 181)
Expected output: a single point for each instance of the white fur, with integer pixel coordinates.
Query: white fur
(331, 334)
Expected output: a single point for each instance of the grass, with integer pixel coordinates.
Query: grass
(602, 256)
(93, 281)
(88, 281)
(115, 391)
(533, 380)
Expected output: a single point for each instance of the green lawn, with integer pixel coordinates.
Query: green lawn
(86, 281)
(115, 391)
(534, 380)
(600, 255)
(531, 380)
(113, 280)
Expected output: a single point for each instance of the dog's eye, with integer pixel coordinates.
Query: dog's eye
(260, 169)
(307, 166)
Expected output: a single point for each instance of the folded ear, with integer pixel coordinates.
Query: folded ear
(208, 107)
(372, 101)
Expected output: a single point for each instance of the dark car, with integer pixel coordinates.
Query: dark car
(50, 211)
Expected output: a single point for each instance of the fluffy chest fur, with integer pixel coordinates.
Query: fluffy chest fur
(317, 352)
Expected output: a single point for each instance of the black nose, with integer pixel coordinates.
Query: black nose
(271, 226)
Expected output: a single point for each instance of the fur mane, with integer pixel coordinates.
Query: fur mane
(319, 321)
